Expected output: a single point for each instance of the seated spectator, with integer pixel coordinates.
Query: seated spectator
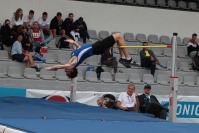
(28, 20)
(148, 59)
(17, 19)
(62, 43)
(44, 21)
(107, 101)
(75, 34)
(150, 104)
(36, 35)
(68, 24)
(81, 25)
(192, 49)
(47, 36)
(20, 56)
(127, 101)
(6, 33)
(26, 41)
(55, 24)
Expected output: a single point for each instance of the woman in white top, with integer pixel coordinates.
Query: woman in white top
(17, 18)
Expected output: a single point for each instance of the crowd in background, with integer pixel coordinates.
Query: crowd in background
(26, 36)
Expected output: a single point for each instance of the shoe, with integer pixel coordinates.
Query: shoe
(126, 64)
(122, 60)
(129, 61)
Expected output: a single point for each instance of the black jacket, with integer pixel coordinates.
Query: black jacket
(146, 104)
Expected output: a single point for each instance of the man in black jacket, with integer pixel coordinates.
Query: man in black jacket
(150, 104)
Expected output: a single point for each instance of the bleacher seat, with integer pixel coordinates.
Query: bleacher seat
(119, 1)
(161, 3)
(179, 41)
(4, 55)
(181, 52)
(184, 66)
(51, 58)
(80, 77)
(129, 37)
(91, 76)
(52, 43)
(192, 5)
(47, 75)
(163, 79)
(165, 39)
(93, 60)
(141, 37)
(148, 78)
(186, 40)
(130, 2)
(139, 2)
(61, 75)
(189, 80)
(150, 2)
(167, 52)
(158, 51)
(182, 4)
(135, 78)
(3, 70)
(172, 4)
(30, 73)
(15, 71)
(106, 77)
(121, 78)
(153, 38)
(93, 34)
(63, 58)
(103, 34)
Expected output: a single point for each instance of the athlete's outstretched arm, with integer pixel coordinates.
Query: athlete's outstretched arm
(73, 42)
(70, 64)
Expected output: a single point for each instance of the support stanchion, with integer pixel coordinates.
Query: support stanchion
(73, 89)
(174, 82)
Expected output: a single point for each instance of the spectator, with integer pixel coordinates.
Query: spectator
(28, 20)
(62, 43)
(81, 25)
(192, 49)
(68, 24)
(107, 101)
(17, 18)
(20, 56)
(37, 35)
(26, 41)
(148, 59)
(127, 101)
(150, 104)
(6, 33)
(44, 21)
(75, 34)
(55, 24)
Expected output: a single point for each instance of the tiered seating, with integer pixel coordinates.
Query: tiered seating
(13, 73)
(166, 4)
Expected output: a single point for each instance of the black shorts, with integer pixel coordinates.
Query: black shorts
(18, 57)
(100, 46)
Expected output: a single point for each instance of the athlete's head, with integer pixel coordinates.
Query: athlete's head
(71, 73)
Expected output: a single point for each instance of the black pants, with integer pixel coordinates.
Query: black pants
(151, 65)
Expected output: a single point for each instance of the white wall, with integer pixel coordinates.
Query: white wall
(112, 17)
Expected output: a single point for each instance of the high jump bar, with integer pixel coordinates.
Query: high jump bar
(140, 46)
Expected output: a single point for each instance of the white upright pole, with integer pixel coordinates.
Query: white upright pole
(174, 82)
(73, 89)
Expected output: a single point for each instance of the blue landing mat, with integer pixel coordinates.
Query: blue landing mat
(36, 115)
